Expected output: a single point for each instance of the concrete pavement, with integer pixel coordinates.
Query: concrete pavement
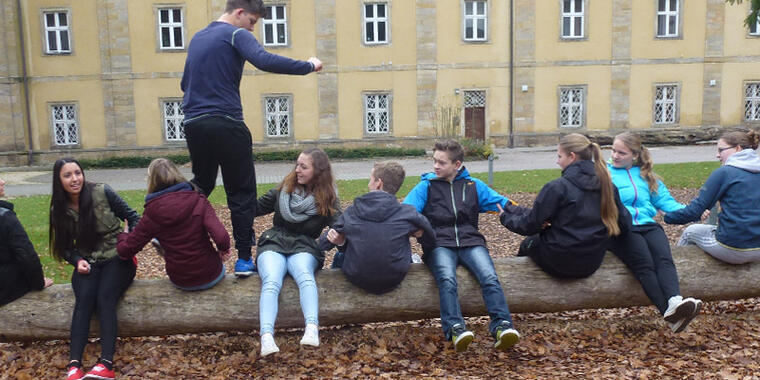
(35, 181)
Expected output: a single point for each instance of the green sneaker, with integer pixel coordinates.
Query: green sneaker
(506, 337)
(461, 337)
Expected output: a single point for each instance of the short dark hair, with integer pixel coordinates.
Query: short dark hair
(391, 173)
(745, 139)
(251, 6)
(453, 149)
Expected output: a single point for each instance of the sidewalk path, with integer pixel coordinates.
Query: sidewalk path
(20, 182)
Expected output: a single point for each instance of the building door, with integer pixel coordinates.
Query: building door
(475, 115)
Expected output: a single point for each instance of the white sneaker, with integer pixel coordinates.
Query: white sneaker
(310, 336)
(268, 346)
(679, 309)
(416, 259)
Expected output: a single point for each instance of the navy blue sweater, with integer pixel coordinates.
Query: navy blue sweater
(214, 66)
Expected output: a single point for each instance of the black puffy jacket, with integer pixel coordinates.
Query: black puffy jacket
(20, 268)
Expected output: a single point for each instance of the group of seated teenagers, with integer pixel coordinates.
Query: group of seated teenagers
(593, 207)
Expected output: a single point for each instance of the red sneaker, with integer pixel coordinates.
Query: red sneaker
(100, 372)
(74, 373)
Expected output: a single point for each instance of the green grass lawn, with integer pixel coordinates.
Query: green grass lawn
(33, 211)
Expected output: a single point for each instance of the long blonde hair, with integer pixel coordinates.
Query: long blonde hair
(162, 173)
(633, 142)
(587, 150)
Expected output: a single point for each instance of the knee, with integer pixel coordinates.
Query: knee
(270, 286)
(305, 279)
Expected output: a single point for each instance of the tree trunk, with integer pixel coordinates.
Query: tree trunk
(155, 307)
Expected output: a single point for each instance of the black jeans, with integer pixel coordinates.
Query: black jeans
(646, 251)
(563, 265)
(101, 289)
(216, 142)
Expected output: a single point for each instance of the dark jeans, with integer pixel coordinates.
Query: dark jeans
(646, 251)
(216, 142)
(100, 289)
(443, 263)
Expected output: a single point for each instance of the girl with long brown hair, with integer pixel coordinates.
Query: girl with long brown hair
(573, 217)
(303, 204)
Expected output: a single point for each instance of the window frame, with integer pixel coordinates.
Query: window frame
(388, 110)
(376, 20)
(43, 23)
(583, 105)
(676, 102)
(678, 13)
(157, 8)
(754, 99)
(572, 15)
(51, 114)
(273, 23)
(475, 17)
(756, 33)
(164, 127)
(265, 116)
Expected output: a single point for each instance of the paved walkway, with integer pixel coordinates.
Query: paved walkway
(34, 181)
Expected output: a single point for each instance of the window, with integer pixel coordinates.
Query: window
(57, 32)
(376, 23)
(173, 117)
(666, 104)
(277, 114)
(572, 19)
(170, 29)
(571, 107)
(275, 26)
(754, 29)
(667, 18)
(475, 20)
(65, 128)
(752, 101)
(376, 118)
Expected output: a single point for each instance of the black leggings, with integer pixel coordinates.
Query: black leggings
(646, 251)
(100, 289)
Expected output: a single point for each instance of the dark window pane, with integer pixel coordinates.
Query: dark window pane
(481, 7)
(380, 10)
(177, 37)
(370, 32)
(753, 28)
(661, 25)
(381, 32)
(65, 40)
(578, 5)
(578, 27)
(661, 5)
(268, 34)
(50, 19)
(165, 38)
(177, 15)
(368, 10)
(270, 13)
(62, 19)
(164, 15)
(468, 29)
(280, 12)
(566, 27)
(52, 45)
(281, 33)
(672, 25)
(481, 29)
(673, 5)
(566, 6)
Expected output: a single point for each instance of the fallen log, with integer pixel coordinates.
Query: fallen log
(155, 307)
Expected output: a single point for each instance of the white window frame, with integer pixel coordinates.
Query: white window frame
(65, 124)
(752, 101)
(754, 30)
(172, 25)
(375, 22)
(277, 115)
(668, 14)
(664, 102)
(57, 30)
(571, 105)
(273, 22)
(373, 113)
(474, 18)
(572, 15)
(173, 121)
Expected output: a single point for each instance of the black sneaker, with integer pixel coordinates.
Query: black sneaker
(461, 337)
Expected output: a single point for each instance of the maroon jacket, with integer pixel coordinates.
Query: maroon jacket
(182, 220)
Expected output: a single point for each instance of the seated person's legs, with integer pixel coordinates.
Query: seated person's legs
(443, 265)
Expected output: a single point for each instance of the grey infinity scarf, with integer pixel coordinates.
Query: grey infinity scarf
(296, 207)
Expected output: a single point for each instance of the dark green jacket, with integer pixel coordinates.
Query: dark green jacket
(288, 238)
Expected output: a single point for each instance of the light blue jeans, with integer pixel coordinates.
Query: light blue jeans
(272, 269)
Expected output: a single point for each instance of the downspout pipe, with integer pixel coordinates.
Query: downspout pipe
(25, 83)
(511, 73)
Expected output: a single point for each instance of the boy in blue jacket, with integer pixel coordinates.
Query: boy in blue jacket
(373, 233)
(452, 201)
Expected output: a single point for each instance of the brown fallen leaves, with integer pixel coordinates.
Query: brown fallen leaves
(722, 343)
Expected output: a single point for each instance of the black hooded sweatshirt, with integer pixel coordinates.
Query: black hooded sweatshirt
(576, 240)
(377, 249)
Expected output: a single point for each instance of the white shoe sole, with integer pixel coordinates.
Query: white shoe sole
(684, 310)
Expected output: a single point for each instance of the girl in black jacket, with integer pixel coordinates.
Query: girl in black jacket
(574, 216)
(20, 267)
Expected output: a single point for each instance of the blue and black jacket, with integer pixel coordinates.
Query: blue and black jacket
(640, 201)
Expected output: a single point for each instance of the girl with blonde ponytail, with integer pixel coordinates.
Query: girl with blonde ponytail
(646, 249)
(573, 217)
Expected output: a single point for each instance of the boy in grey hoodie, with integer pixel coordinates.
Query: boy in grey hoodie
(373, 233)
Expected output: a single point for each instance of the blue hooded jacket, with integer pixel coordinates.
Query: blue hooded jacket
(638, 199)
(737, 186)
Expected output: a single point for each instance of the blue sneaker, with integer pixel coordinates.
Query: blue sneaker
(244, 268)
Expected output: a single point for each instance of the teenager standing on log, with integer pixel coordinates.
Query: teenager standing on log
(645, 249)
(304, 203)
(85, 220)
(736, 185)
(216, 133)
(20, 267)
(574, 216)
(452, 201)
